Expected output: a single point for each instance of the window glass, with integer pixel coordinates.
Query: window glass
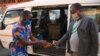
(54, 14)
(12, 17)
(98, 17)
(94, 13)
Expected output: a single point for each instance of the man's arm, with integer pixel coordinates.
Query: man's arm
(63, 39)
(94, 38)
(33, 38)
(43, 43)
(66, 36)
(23, 41)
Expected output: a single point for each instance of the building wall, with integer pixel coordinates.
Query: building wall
(12, 1)
(5, 3)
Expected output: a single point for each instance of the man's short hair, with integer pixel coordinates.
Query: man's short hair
(26, 12)
(77, 6)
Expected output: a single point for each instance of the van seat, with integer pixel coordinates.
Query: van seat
(54, 30)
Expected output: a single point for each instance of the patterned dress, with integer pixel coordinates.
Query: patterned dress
(17, 49)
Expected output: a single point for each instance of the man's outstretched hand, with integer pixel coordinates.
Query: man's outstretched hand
(55, 43)
(45, 44)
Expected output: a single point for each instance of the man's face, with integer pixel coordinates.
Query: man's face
(74, 13)
(30, 15)
(27, 18)
(73, 10)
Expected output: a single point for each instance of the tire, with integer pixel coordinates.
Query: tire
(1, 45)
(10, 44)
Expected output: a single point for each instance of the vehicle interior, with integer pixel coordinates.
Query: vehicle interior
(49, 24)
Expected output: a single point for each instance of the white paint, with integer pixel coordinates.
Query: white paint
(36, 3)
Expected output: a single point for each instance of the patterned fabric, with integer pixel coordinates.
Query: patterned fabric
(17, 48)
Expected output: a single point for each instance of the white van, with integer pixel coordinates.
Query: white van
(47, 21)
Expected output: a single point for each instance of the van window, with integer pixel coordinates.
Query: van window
(93, 12)
(34, 14)
(52, 25)
(98, 17)
(12, 17)
(54, 14)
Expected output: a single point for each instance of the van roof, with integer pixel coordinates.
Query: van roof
(36, 3)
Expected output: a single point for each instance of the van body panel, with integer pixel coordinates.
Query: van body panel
(6, 34)
(37, 3)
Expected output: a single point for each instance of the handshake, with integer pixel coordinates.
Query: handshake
(46, 44)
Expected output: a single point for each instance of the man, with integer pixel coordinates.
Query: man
(82, 35)
(21, 34)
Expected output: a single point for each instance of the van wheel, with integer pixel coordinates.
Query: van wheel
(10, 44)
(1, 44)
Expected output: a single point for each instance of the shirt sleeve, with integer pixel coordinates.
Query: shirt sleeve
(29, 28)
(15, 31)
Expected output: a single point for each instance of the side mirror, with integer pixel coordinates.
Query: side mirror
(2, 26)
